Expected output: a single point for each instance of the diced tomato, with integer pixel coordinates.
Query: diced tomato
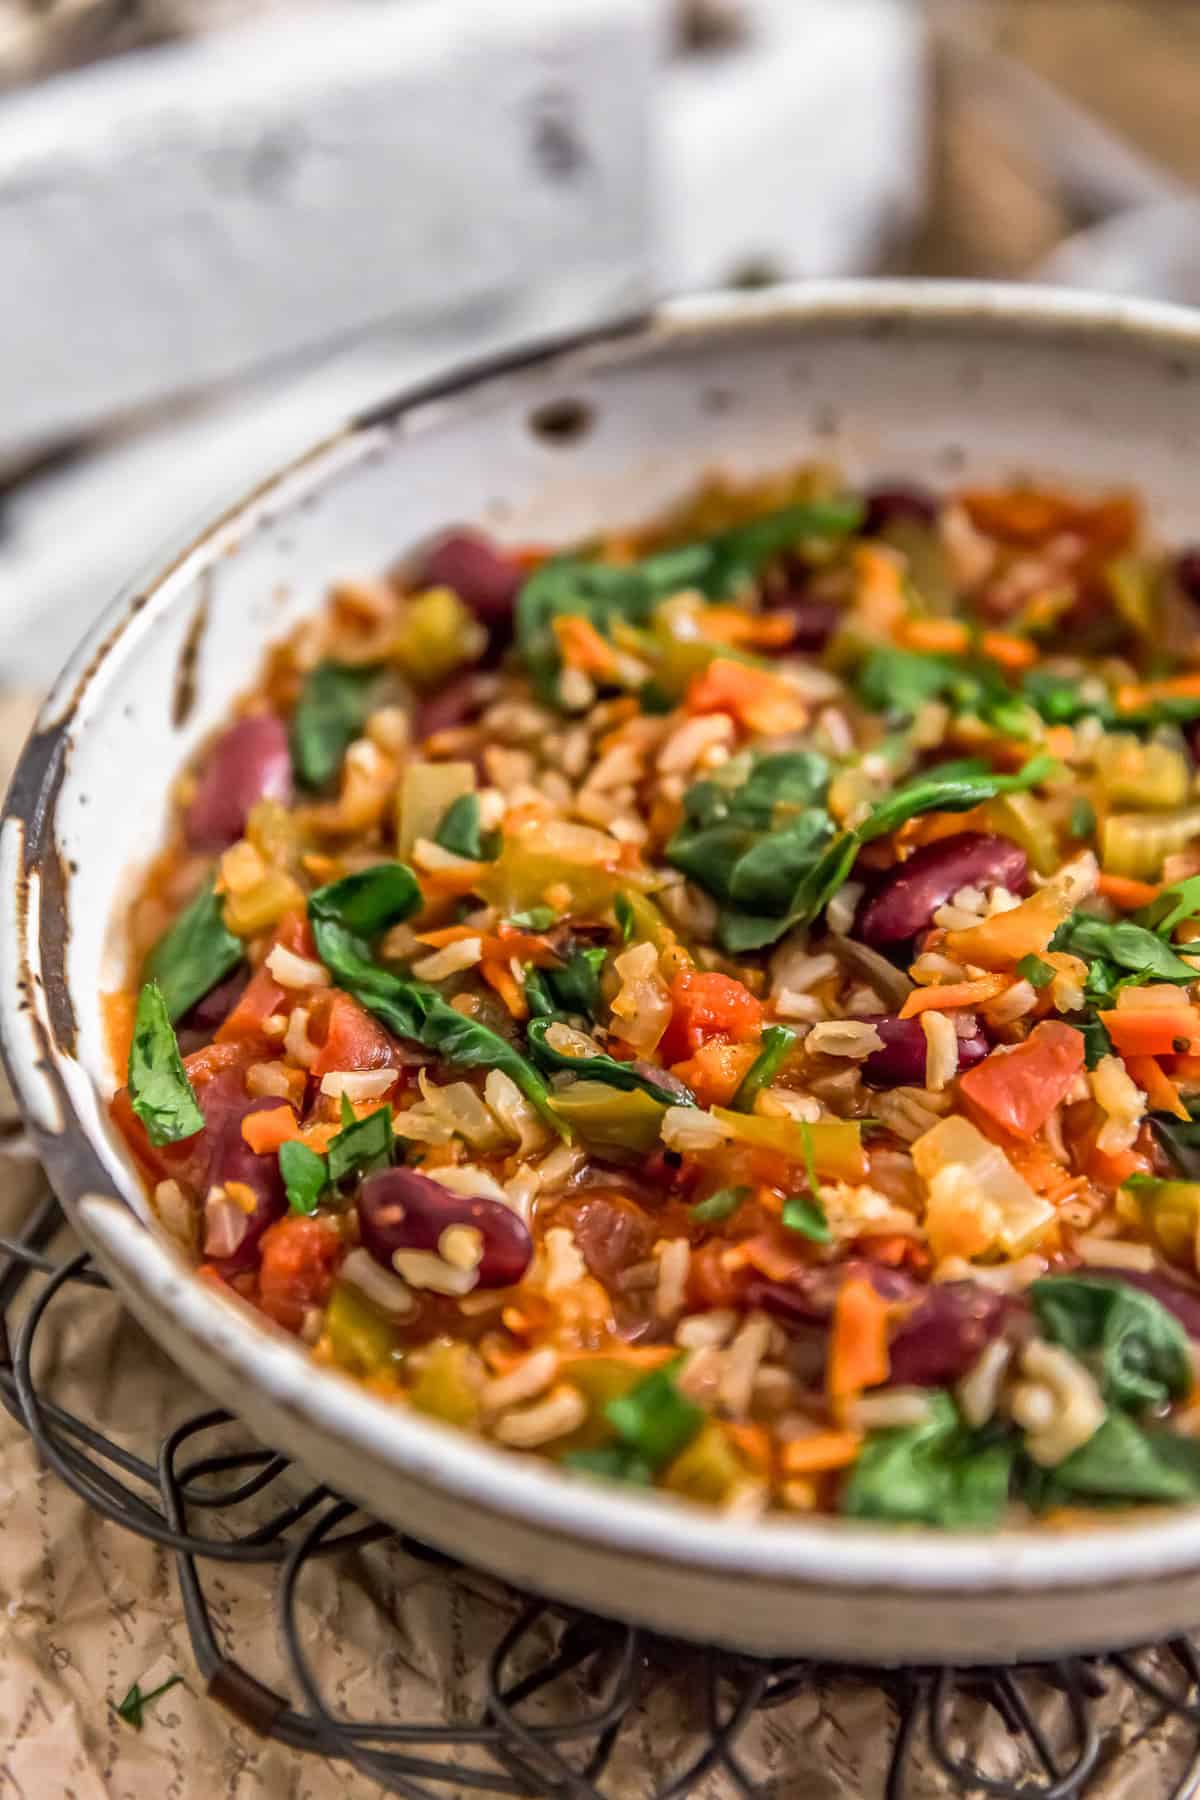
(299, 1260)
(710, 1283)
(263, 995)
(717, 1070)
(707, 1005)
(352, 1038)
(1019, 1089)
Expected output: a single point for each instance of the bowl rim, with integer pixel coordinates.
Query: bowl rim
(830, 1552)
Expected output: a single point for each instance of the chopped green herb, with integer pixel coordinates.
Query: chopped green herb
(1180, 1138)
(159, 1090)
(575, 986)
(1096, 1042)
(1083, 819)
(777, 1041)
(305, 1176)
(362, 1145)
(802, 1214)
(332, 709)
(623, 913)
(1037, 973)
(721, 1205)
(1175, 904)
(132, 1709)
(612, 1462)
(193, 954)
(460, 832)
(536, 918)
(1118, 1463)
(654, 1418)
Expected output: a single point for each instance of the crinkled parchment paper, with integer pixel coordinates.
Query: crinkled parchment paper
(87, 1608)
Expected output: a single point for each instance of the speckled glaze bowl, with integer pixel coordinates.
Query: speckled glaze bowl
(934, 383)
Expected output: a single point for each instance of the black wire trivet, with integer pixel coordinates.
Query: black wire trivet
(514, 1751)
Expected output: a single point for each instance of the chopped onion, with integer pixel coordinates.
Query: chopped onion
(358, 1084)
(225, 1224)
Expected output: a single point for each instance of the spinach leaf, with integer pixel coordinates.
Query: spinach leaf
(606, 1069)
(1127, 945)
(654, 1418)
(459, 831)
(611, 1462)
(777, 1041)
(362, 1145)
(331, 711)
(159, 1090)
(193, 954)
(1141, 1348)
(899, 682)
(1180, 1138)
(1096, 1042)
(765, 878)
(950, 787)
(575, 988)
(604, 593)
(305, 1176)
(1060, 702)
(1118, 1463)
(345, 915)
(936, 1473)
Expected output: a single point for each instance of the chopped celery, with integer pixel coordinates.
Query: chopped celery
(426, 791)
(708, 1470)
(1146, 776)
(436, 633)
(1133, 583)
(607, 1119)
(263, 905)
(1170, 1213)
(836, 1144)
(362, 1338)
(448, 1384)
(1137, 844)
(1025, 819)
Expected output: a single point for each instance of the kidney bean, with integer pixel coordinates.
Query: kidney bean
(200, 1022)
(901, 1062)
(483, 576)
(451, 706)
(813, 621)
(1187, 573)
(230, 1158)
(611, 1230)
(945, 1332)
(807, 1297)
(398, 1209)
(249, 762)
(897, 500)
(906, 899)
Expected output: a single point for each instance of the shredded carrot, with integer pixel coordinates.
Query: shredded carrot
(449, 934)
(453, 884)
(265, 1131)
(1133, 695)
(1157, 1085)
(947, 637)
(819, 1453)
(735, 626)
(858, 1346)
(754, 1442)
(1058, 741)
(953, 994)
(1010, 651)
(1002, 940)
(760, 700)
(318, 1137)
(499, 976)
(1127, 893)
(581, 646)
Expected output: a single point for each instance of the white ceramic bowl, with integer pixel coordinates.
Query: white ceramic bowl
(933, 383)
